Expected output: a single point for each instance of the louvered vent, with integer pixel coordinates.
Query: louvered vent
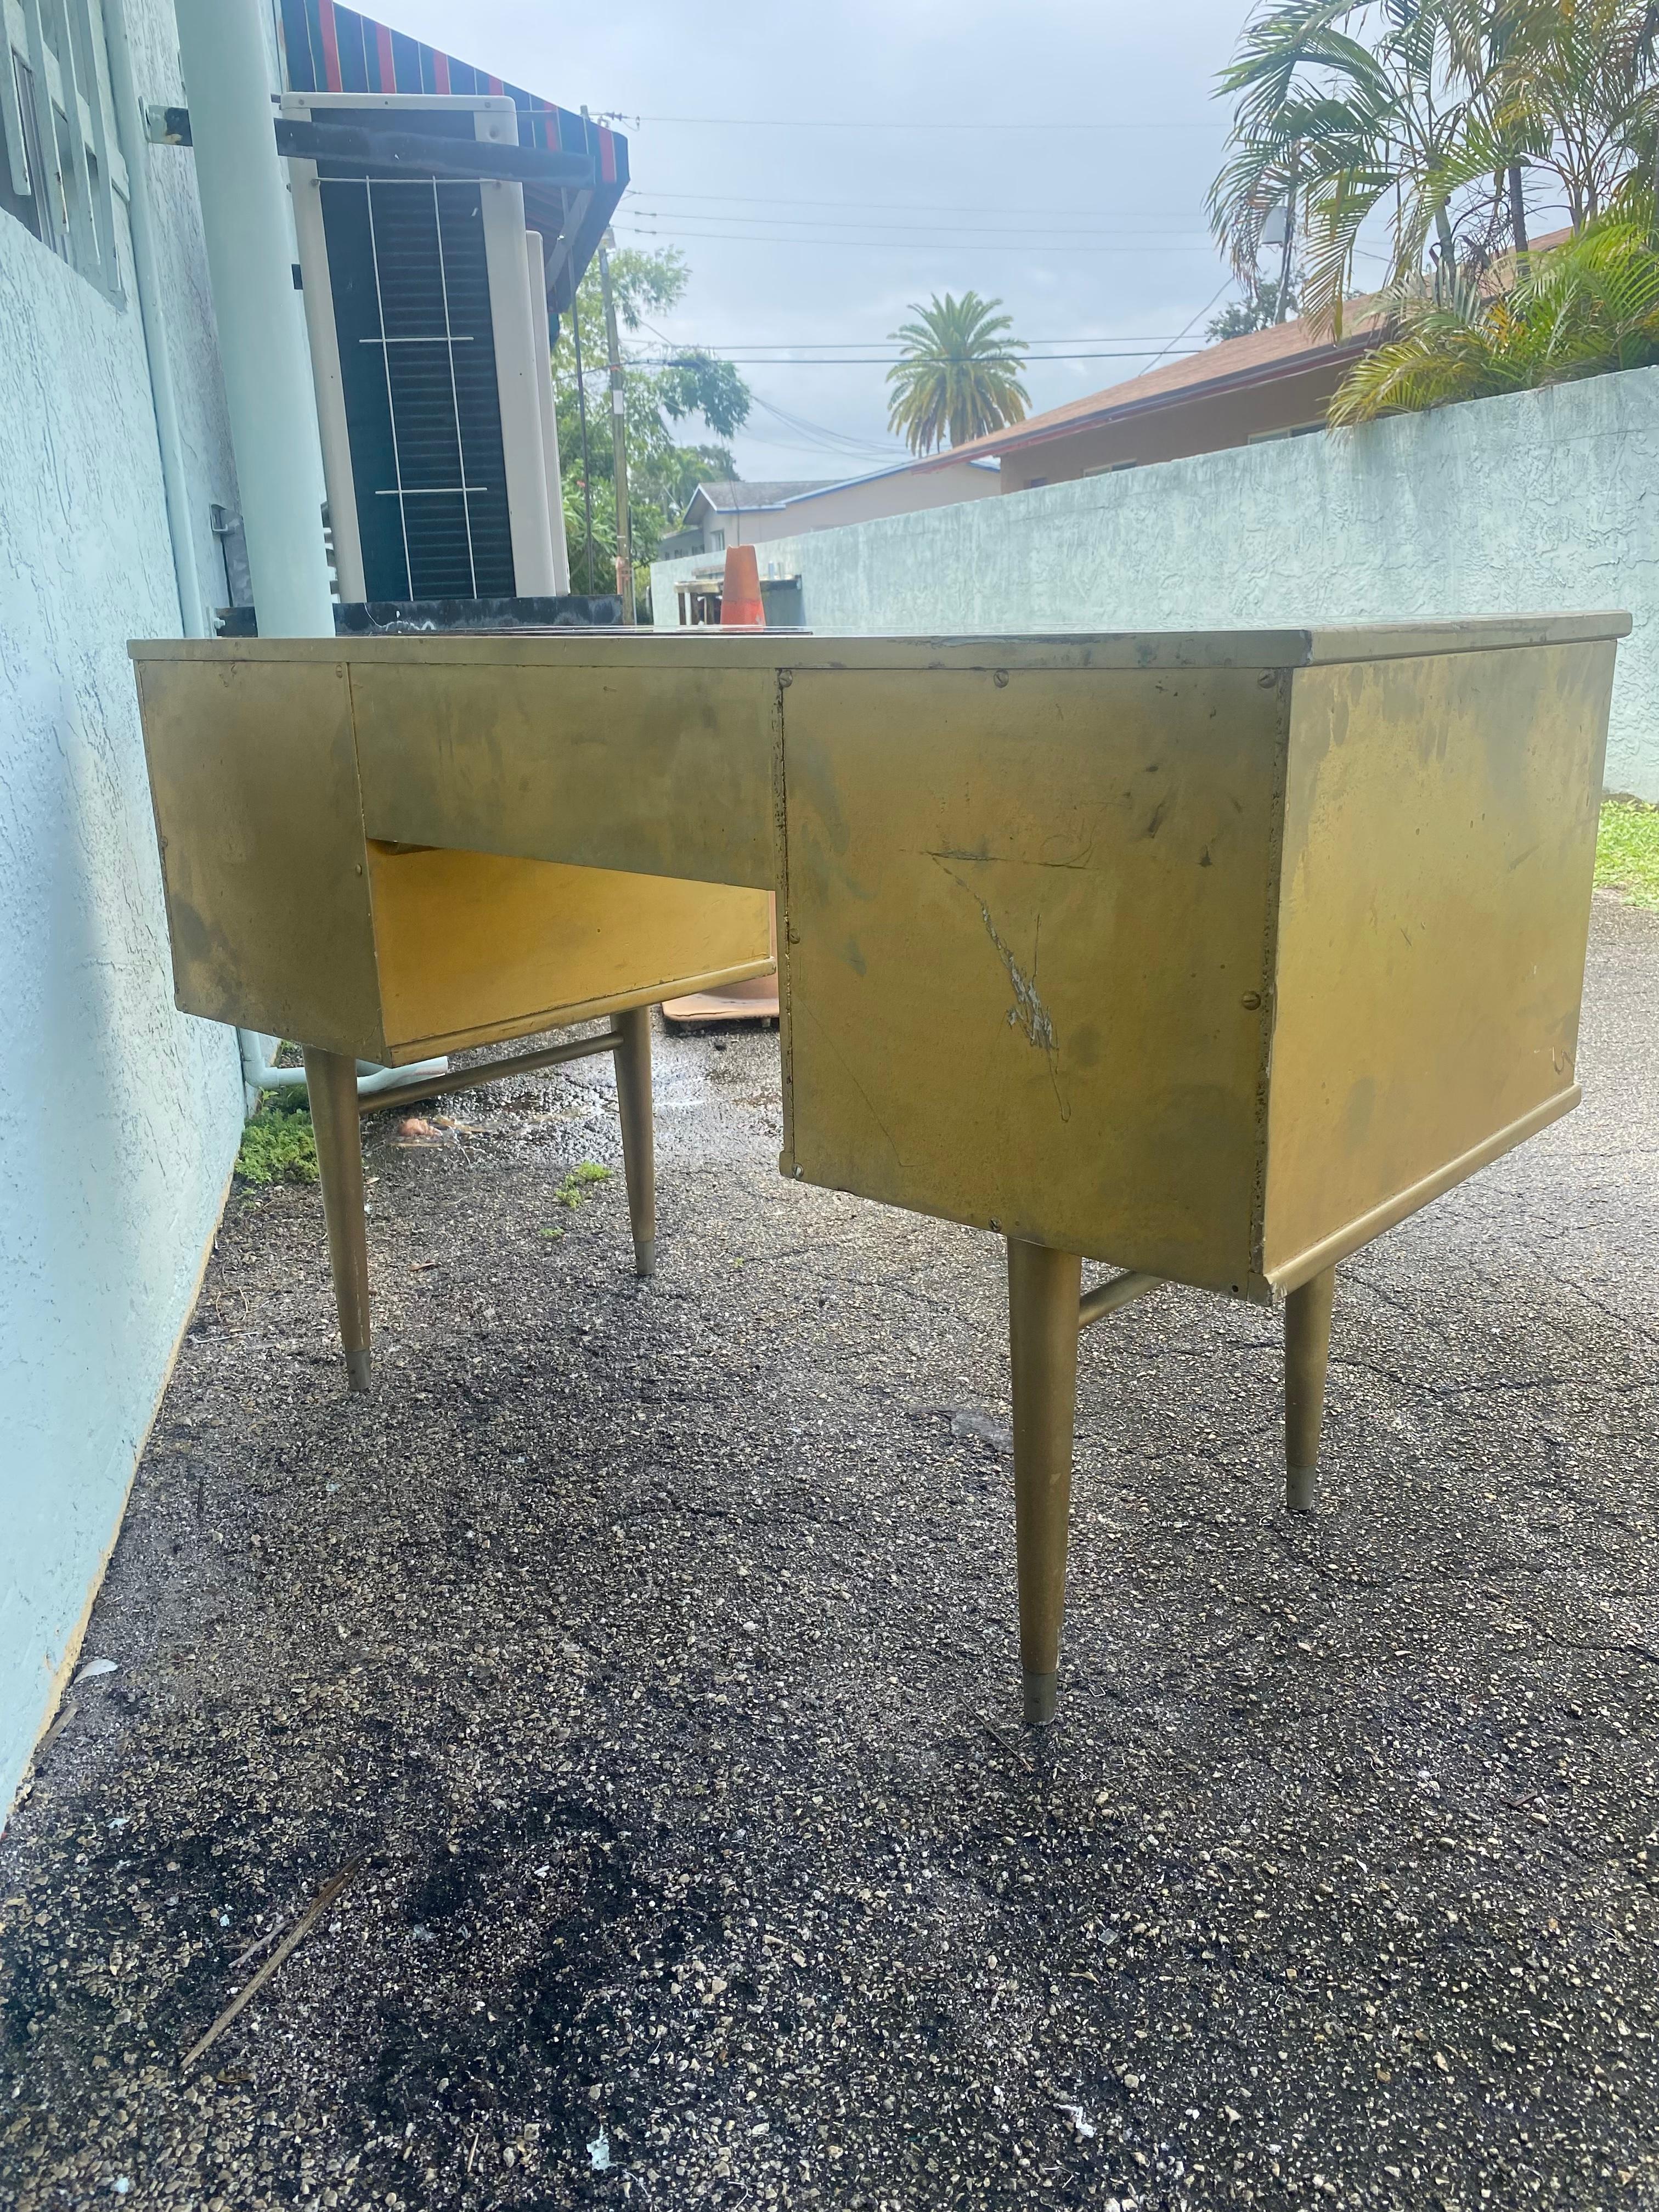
(417, 364)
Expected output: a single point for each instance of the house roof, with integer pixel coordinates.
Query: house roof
(1289, 348)
(1283, 349)
(732, 496)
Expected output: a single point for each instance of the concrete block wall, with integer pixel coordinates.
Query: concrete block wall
(119, 1117)
(1537, 501)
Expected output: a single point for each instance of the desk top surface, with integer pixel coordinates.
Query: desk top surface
(1288, 648)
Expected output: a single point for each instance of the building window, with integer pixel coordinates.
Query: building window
(717, 540)
(60, 166)
(1295, 430)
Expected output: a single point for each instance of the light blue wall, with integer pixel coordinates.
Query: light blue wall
(119, 1117)
(1542, 501)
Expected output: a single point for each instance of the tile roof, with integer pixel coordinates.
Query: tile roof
(1286, 349)
(730, 495)
(1282, 349)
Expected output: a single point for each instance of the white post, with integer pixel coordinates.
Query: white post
(135, 148)
(543, 338)
(517, 386)
(262, 343)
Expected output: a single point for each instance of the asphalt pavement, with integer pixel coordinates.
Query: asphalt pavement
(644, 1659)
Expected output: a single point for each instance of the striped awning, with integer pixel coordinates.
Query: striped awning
(332, 49)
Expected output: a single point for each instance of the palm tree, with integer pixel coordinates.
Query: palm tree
(1350, 107)
(1571, 93)
(1589, 304)
(1433, 111)
(1582, 83)
(959, 376)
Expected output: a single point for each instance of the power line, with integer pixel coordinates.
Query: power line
(905, 245)
(889, 359)
(820, 435)
(1204, 310)
(1022, 231)
(886, 206)
(827, 345)
(908, 125)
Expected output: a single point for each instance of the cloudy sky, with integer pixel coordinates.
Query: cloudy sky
(822, 167)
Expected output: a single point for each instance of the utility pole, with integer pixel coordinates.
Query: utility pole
(618, 439)
(588, 458)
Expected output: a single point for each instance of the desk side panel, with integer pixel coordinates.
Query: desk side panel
(1025, 951)
(1439, 851)
(663, 769)
(254, 785)
(474, 947)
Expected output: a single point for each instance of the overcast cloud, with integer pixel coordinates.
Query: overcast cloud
(1089, 224)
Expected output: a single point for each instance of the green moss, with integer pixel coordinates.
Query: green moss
(278, 1145)
(570, 1192)
(1627, 851)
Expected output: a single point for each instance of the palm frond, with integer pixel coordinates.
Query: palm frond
(1588, 305)
(959, 376)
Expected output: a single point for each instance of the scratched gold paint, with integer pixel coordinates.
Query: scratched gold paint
(1206, 954)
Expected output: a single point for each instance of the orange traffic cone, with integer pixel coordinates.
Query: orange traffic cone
(756, 998)
(741, 605)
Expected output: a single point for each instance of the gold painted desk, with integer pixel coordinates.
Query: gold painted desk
(1209, 956)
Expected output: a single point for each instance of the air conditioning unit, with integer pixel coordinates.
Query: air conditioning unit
(425, 299)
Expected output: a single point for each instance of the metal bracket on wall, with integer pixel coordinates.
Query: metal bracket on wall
(397, 153)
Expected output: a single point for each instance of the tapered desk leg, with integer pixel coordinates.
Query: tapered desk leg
(331, 1081)
(1307, 1355)
(639, 1145)
(1043, 1289)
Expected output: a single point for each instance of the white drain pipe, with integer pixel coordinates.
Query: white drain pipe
(258, 1074)
(147, 282)
(261, 341)
(269, 392)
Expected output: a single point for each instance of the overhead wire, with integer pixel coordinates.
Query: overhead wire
(919, 207)
(686, 357)
(909, 125)
(638, 208)
(1026, 247)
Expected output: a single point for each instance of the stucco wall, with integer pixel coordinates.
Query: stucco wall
(119, 1117)
(1541, 500)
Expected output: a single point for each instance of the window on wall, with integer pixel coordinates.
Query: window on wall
(60, 166)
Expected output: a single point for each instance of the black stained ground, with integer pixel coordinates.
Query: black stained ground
(650, 1654)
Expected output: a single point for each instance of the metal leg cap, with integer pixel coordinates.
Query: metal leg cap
(1300, 1485)
(1041, 1693)
(645, 1257)
(358, 1376)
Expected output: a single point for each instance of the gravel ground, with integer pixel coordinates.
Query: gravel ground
(649, 1654)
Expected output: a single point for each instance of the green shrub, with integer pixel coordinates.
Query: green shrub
(279, 1145)
(1578, 309)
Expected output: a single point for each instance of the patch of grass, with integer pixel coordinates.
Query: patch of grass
(570, 1192)
(279, 1145)
(1627, 851)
